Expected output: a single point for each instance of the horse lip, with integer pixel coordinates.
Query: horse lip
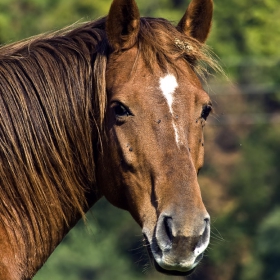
(165, 271)
(172, 272)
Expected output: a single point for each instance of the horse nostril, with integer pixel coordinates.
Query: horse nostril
(164, 233)
(206, 232)
(204, 238)
(167, 221)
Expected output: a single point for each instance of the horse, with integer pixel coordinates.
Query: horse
(113, 107)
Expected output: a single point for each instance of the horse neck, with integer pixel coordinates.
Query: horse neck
(25, 246)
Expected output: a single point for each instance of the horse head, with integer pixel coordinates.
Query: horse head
(153, 149)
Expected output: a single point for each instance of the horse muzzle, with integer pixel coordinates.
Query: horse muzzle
(175, 251)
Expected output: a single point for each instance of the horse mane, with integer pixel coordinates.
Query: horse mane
(52, 106)
(48, 125)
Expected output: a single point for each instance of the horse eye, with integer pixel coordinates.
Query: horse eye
(120, 110)
(206, 111)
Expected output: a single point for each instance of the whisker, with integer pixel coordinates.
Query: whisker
(217, 235)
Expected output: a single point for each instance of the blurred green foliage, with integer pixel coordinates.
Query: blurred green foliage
(246, 236)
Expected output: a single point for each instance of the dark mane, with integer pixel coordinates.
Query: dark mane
(52, 104)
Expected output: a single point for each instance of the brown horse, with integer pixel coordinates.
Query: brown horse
(109, 108)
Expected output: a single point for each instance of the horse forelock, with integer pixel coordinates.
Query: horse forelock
(162, 44)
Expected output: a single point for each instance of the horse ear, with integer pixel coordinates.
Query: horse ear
(196, 22)
(123, 24)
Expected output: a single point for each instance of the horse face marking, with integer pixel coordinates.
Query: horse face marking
(168, 85)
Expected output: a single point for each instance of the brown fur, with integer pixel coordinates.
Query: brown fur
(52, 106)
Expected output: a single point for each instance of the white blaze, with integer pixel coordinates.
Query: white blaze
(168, 85)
